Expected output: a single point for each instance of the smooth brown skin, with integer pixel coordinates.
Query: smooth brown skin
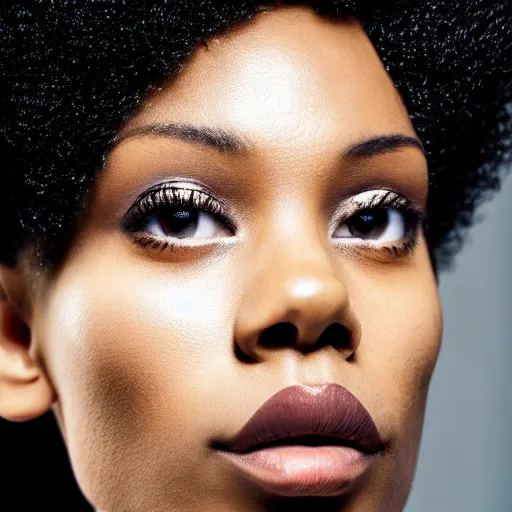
(134, 349)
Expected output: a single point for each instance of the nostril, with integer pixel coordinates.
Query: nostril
(285, 334)
(279, 335)
(242, 356)
(336, 335)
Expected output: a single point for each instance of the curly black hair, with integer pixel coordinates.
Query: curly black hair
(74, 71)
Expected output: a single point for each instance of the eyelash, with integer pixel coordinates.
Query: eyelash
(170, 196)
(412, 214)
(165, 196)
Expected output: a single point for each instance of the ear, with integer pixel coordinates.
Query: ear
(25, 390)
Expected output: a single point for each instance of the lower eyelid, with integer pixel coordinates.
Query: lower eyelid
(194, 247)
(403, 248)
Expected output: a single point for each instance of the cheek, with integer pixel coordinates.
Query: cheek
(402, 333)
(129, 355)
(405, 332)
(401, 319)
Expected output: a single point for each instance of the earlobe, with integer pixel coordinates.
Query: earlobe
(25, 390)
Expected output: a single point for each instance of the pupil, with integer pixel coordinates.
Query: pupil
(367, 223)
(179, 222)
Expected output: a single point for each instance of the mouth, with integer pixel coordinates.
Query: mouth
(306, 441)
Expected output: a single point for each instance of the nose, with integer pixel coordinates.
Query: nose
(297, 301)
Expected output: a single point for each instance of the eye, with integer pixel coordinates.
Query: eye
(180, 223)
(382, 219)
(167, 213)
(380, 225)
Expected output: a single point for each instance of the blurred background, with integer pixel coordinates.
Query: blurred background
(466, 455)
(465, 461)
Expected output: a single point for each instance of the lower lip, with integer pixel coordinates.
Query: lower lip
(303, 470)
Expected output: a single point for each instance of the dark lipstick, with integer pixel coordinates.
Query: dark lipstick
(306, 440)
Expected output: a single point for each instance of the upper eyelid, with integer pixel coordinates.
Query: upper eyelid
(179, 185)
(349, 205)
(160, 193)
(376, 196)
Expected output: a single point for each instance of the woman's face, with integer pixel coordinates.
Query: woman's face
(280, 212)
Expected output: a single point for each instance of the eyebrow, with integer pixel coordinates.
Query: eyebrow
(222, 140)
(226, 141)
(382, 144)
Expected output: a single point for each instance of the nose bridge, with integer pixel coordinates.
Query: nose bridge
(294, 294)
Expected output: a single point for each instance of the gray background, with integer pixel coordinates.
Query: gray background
(465, 459)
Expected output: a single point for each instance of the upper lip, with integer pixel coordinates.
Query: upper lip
(329, 411)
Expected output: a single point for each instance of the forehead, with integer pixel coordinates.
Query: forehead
(287, 74)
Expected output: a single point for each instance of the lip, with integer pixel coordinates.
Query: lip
(306, 441)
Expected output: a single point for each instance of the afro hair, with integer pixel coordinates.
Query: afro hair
(72, 72)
